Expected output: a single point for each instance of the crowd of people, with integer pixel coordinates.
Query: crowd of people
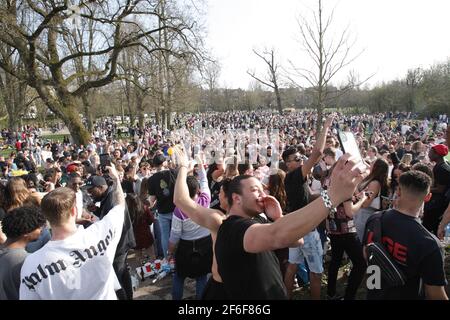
(239, 200)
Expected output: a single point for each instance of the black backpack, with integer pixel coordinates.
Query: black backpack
(391, 274)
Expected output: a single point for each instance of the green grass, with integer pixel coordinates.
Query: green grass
(55, 137)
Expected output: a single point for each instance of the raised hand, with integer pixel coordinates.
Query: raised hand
(329, 121)
(272, 208)
(179, 156)
(345, 178)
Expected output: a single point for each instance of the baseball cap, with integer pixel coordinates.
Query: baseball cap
(95, 181)
(440, 149)
(159, 160)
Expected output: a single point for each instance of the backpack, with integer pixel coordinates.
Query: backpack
(391, 274)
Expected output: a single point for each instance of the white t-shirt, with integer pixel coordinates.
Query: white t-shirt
(46, 155)
(339, 154)
(79, 203)
(78, 267)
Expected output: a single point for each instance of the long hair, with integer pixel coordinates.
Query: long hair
(16, 192)
(135, 206)
(211, 168)
(379, 172)
(276, 187)
(143, 193)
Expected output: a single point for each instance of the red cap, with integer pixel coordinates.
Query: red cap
(440, 149)
(71, 168)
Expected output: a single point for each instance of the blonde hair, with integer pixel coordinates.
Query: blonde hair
(33, 200)
(406, 159)
(57, 205)
(16, 192)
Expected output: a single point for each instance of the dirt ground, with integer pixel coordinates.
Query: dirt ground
(161, 290)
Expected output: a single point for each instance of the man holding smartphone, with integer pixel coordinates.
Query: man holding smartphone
(297, 198)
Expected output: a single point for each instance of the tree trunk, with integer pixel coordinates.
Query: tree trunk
(64, 107)
(277, 94)
(72, 120)
(87, 112)
(157, 118)
(140, 111)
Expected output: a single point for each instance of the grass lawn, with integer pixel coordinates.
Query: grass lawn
(55, 137)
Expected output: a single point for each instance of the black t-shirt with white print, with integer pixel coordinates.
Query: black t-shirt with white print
(246, 276)
(418, 254)
(162, 185)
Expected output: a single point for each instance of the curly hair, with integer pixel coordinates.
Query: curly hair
(21, 221)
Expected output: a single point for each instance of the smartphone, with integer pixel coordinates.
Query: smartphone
(348, 144)
(105, 160)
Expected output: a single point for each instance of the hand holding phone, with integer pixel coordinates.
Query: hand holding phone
(105, 161)
(348, 144)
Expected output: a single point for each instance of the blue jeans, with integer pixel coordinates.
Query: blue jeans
(165, 225)
(178, 286)
(157, 245)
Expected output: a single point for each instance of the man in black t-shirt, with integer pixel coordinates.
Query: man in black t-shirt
(297, 197)
(435, 208)
(100, 191)
(245, 240)
(161, 189)
(415, 250)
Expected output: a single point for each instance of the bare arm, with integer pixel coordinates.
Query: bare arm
(2, 235)
(118, 197)
(435, 293)
(317, 151)
(352, 208)
(152, 201)
(288, 229)
(373, 189)
(205, 217)
(445, 220)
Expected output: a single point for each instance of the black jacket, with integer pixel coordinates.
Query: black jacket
(127, 240)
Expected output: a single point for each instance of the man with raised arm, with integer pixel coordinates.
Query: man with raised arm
(245, 241)
(77, 263)
(297, 197)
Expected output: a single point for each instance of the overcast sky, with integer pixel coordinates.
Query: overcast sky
(396, 35)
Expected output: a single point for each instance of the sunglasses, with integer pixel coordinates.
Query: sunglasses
(296, 159)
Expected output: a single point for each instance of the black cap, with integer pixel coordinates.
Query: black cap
(159, 160)
(95, 181)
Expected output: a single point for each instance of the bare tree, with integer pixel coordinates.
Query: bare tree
(211, 77)
(413, 81)
(329, 53)
(15, 93)
(272, 78)
(35, 29)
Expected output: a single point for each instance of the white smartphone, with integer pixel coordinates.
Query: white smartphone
(349, 145)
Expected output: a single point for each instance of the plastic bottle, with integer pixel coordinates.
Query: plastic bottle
(447, 235)
(172, 264)
(160, 276)
(134, 282)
